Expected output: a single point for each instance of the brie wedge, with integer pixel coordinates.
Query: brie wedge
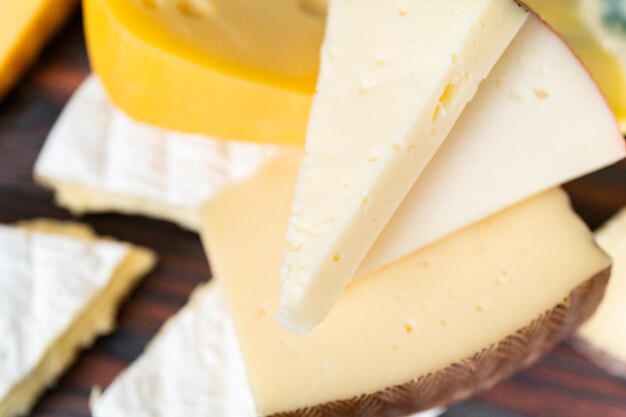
(60, 286)
(98, 159)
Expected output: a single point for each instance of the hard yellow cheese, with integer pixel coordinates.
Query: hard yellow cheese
(436, 307)
(25, 26)
(566, 17)
(392, 84)
(234, 69)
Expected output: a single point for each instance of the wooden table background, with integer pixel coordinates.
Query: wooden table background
(562, 384)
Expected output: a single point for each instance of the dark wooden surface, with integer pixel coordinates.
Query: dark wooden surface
(562, 384)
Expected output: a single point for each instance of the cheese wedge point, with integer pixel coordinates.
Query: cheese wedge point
(243, 70)
(392, 84)
(25, 26)
(60, 286)
(192, 368)
(98, 159)
(602, 338)
(575, 25)
(450, 319)
(515, 126)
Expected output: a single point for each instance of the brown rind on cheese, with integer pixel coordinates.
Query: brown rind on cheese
(598, 356)
(478, 372)
(40, 29)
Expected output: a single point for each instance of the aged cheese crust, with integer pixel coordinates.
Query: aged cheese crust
(478, 372)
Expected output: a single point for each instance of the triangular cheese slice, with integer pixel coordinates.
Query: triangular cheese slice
(394, 77)
(59, 289)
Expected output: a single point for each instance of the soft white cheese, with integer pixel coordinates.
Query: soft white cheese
(99, 159)
(46, 281)
(395, 75)
(193, 368)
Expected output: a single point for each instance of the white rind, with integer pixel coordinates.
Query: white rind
(46, 281)
(193, 368)
(140, 169)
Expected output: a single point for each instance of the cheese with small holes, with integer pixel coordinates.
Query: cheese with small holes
(193, 368)
(583, 31)
(392, 84)
(98, 159)
(515, 127)
(234, 69)
(399, 338)
(60, 287)
(603, 336)
(25, 26)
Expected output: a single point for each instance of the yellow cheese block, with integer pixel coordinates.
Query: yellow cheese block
(234, 69)
(564, 16)
(433, 327)
(25, 25)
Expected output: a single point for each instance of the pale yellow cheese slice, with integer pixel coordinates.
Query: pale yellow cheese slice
(392, 84)
(25, 26)
(436, 307)
(60, 287)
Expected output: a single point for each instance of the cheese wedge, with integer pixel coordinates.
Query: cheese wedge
(25, 26)
(448, 320)
(568, 18)
(392, 84)
(60, 286)
(515, 126)
(192, 368)
(243, 69)
(603, 337)
(98, 159)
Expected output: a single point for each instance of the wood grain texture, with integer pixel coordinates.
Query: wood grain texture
(562, 384)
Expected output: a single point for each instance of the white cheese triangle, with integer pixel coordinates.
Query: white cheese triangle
(394, 77)
(59, 289)
(98, 159)
(193, 368)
